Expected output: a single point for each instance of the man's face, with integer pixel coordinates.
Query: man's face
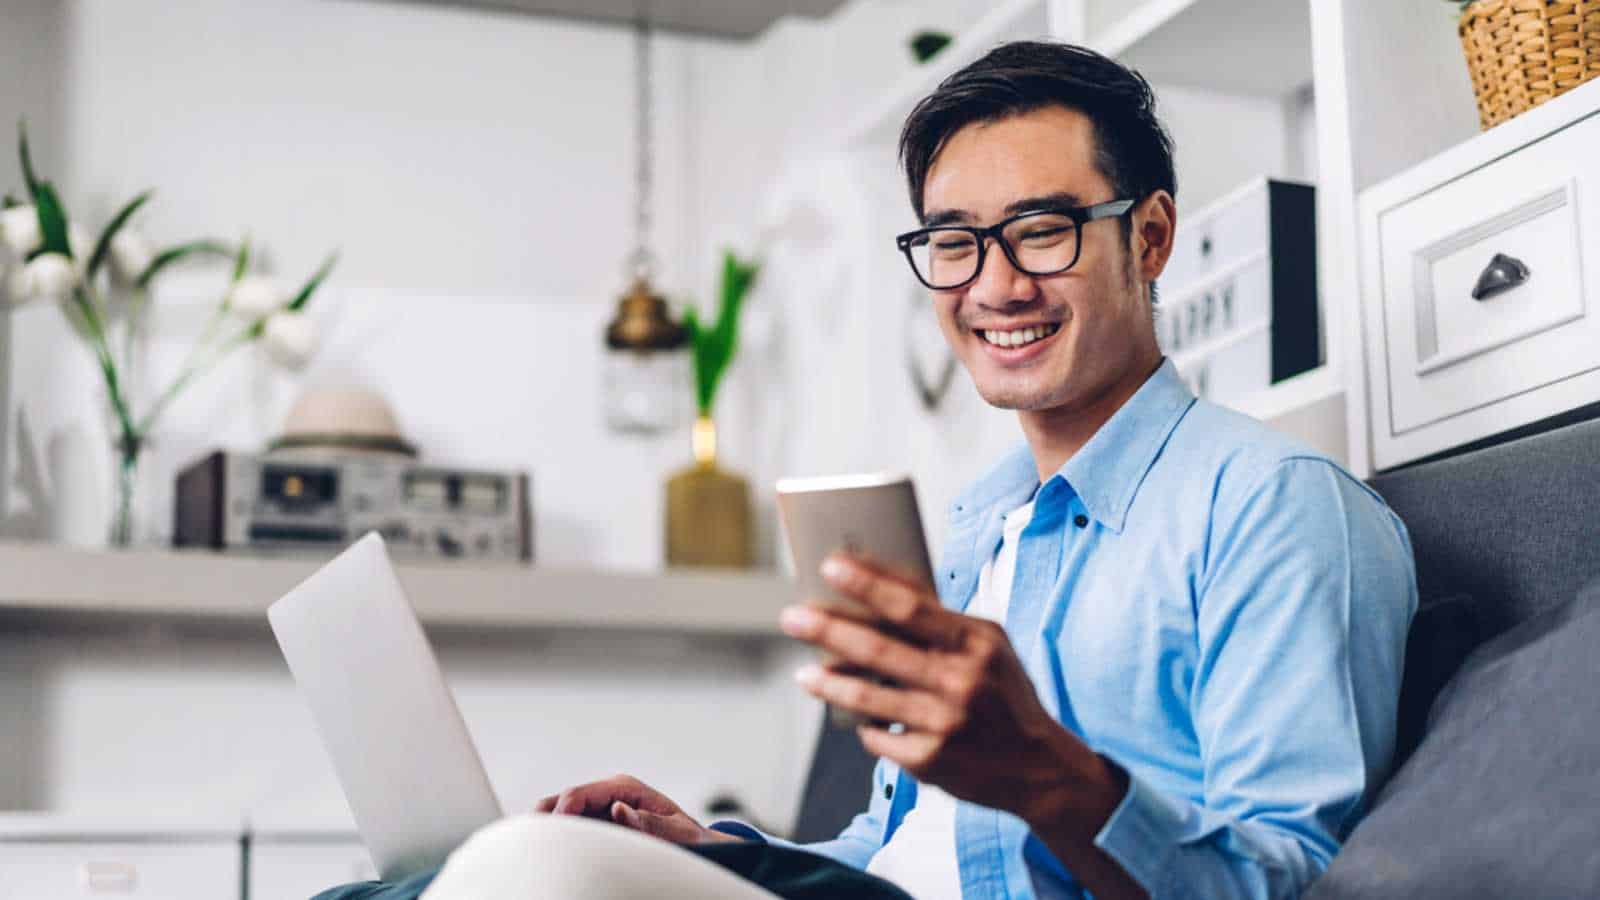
(1096, 314)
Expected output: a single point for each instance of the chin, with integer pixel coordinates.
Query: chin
(1017, 398)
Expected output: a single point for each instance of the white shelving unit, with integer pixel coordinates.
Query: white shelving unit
(46, 583)
(1339, 93)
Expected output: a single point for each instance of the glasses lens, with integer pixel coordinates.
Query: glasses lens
(1044, 243)
(944, 257)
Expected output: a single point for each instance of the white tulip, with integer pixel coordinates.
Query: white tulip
(290, 339)
(48, 277)
(19, 226)
(255, 297)
(130, 256)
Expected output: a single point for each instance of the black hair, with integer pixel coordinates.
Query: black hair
(1133, 150)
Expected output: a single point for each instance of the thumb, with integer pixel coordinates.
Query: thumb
(667, 828)
(627, 816)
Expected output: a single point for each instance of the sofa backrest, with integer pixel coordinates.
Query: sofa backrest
(1516, 526)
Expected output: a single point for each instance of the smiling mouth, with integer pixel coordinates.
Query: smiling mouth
(1019, 337)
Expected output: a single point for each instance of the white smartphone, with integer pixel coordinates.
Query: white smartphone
(874, 517)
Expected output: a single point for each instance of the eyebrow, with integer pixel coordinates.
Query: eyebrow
(1028, 204)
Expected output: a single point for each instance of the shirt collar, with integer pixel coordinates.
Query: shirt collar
(1106, 472)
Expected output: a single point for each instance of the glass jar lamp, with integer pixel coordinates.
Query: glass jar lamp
(647, 376)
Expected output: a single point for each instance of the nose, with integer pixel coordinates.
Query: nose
(1000, 284)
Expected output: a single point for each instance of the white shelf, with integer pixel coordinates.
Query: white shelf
(43, 581)
(879, 121)
(1253, 47)
(1292, 394)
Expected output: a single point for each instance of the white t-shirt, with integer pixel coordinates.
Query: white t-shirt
(921, 857)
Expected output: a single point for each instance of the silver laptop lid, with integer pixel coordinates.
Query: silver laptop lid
(409, 769)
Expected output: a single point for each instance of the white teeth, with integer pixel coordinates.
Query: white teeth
(1020, 336)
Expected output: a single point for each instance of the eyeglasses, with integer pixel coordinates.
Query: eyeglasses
(1039, 242)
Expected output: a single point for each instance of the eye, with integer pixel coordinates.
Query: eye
(1044, 234)
(947, 245)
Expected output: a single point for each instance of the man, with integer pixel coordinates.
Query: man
(1194, 690)
(1165, 652)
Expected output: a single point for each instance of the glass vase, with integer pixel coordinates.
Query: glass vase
(124, 488)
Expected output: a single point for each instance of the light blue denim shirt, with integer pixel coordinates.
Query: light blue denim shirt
(1216, 608)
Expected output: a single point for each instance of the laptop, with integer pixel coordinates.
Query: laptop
(410, 772)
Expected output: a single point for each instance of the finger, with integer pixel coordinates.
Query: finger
(916, 710)
(548, 804)
(911, 750)
(667, 828)
(861, 645)
(593, 799)
(623, 814)
(908, 606)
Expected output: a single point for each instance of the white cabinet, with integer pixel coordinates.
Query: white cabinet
(1480, 294)
(299, 867)
(157, 869)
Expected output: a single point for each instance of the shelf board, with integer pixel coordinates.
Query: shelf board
(879, 121)
(1252, 47)
(45, 581)
(1291, 395)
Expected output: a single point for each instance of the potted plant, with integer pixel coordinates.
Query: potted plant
(708, 509)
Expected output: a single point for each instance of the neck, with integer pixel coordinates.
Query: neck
(1055, 434)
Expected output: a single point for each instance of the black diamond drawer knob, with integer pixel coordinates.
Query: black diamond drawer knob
(1502, 274)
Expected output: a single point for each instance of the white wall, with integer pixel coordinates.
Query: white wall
(476, 169)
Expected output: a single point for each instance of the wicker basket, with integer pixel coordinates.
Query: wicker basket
(1523, 52)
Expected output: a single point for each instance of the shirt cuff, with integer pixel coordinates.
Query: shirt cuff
(1142, 834)
(739, 830)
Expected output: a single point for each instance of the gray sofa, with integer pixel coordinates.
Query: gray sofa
(1496, 788)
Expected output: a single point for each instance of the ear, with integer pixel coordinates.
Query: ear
(1155, 225)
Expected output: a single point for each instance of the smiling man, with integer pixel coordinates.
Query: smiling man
(1165, 649)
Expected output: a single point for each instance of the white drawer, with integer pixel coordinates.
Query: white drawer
(147, 871)
(301, 869)
(1450, 364)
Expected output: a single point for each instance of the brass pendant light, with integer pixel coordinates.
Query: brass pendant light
(647, 373)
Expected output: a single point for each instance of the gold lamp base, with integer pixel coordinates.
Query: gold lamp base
(708, 509)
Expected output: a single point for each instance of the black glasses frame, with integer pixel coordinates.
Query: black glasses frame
(1080, 216)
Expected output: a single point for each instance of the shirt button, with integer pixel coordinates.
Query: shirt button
(888, 792)
(1082, 521)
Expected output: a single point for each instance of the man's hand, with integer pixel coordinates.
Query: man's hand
(629, 802)
(973, 723)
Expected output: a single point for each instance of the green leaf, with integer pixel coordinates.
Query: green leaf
(52, 222)
(28, 176)
(173, 254)
(103, 247)
(714, 348)
(304, 297)
(241, 263)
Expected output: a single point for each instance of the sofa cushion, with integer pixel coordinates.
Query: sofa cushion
(1502, 798)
